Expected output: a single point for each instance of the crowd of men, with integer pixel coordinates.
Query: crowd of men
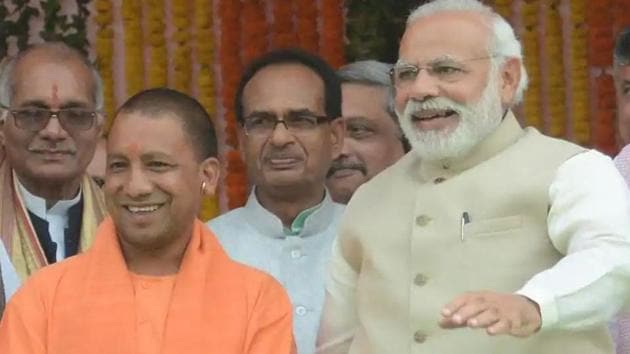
(463, 230)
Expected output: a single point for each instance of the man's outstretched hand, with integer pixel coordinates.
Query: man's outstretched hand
(498, 313)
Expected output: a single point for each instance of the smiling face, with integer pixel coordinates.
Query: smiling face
(372, 141)
(153, 180)
(286, 159)
(457, 97)
(51, 154)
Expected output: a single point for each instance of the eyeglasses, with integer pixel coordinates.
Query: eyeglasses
(446, 70)
(35, 119)
(263, 124)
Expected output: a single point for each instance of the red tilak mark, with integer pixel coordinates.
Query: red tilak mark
(133, 149)
(55, 95)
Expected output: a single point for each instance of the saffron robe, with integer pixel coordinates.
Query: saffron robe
(86, 304)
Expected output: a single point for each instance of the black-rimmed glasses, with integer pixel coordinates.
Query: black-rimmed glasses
(263, 124)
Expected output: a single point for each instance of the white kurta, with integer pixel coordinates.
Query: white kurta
(254, 236)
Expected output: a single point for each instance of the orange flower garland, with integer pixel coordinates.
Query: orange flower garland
(306, 26)
(580, 107)
(531, 106)
(332, 34)
(503, 8)
(104, 53)
(204, 40)
(554, 75)
(254, 30)
(282, 35)
(230, 64)
(182, 63)
(600, 42)
(134, 60)
(157, 74)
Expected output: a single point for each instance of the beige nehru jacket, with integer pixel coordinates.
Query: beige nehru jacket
(402, 233)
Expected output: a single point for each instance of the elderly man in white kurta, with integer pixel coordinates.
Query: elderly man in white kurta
(486, 231)
(288, 104)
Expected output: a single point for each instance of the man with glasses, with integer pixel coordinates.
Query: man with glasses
(288, 103)
(373, 138)
(50, 102)
(485, 231)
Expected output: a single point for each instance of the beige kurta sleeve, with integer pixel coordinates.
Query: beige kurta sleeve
(339, 316)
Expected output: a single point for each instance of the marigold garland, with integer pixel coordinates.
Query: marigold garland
(182, 63)
(204, 50)
(230, 64)
(282, 35)
(503, 7)
(104, 54)
(306, 24)
(554, 75)
(157, 74)
(531, 105)
(331, 42)
(579, 105)
(134, 60)
(600, 42)
(254, 30)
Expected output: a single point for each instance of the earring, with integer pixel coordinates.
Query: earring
(203, 187)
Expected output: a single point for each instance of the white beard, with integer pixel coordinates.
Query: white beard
(476, 122)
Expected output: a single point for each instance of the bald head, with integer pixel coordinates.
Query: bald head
(49, 53)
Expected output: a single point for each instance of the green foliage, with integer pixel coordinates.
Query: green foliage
(374, 28)
(14, 25)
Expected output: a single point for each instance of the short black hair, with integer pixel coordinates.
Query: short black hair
(195, 120)
(622, 47)
(332, 83)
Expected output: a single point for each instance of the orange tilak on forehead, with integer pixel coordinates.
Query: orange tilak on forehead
(133, 149)
(54, 98)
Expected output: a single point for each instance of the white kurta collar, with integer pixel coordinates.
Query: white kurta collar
(37, 205)
(270, 225)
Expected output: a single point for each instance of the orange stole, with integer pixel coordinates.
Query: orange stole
(86, 305)
(16, 230)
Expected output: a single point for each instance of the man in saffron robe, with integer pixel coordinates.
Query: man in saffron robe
(49, 206)
(156, 280)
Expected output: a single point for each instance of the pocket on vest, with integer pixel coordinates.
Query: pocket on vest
(493, 226)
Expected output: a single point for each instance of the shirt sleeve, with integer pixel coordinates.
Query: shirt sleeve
(339, 316)
(271, 326)
(589, 223)
(23, 325)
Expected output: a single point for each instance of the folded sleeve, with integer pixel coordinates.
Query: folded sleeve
(589, 223)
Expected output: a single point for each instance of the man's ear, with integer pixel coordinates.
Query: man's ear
(510, 78)
(210, 172)
(337, 131)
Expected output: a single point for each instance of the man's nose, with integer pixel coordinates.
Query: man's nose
(53, 129)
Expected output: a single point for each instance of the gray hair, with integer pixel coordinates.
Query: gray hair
(622, 48)
(63, 53)
(504, 43)
(372, 73)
